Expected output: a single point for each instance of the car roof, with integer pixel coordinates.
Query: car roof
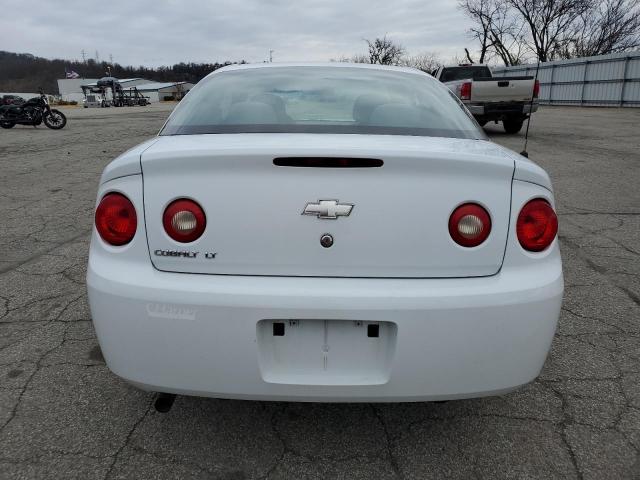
(367, 66)
(466, 65)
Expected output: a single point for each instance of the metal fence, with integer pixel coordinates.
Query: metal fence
(605, 80)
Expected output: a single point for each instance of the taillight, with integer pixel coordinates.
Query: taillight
(465, 91)
(537, 225)
(469, 225)
(116, 219)
(536, 89)
(184, 220)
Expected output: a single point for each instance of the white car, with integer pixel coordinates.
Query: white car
(327, 232)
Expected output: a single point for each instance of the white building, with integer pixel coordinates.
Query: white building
(157, 91)
(71, 88)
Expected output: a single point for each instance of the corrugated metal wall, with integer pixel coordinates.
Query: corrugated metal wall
(605, 80)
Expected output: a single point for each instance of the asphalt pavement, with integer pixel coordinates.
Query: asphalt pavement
(63, 414)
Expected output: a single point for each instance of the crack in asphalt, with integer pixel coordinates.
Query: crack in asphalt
(395, 465)
(600, 269)
(14, 265)
(127, 439)
(38, 364)
(566, 420)
(276, 432)
(597, 319)
(172, 460)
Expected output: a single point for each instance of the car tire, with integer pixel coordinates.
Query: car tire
(7, 124)
(512, 125)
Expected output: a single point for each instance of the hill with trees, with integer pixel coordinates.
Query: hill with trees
(23, 72)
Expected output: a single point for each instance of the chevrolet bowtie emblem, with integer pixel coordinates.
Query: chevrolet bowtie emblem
(328, 209)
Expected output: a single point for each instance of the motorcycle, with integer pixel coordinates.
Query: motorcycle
(32, 112)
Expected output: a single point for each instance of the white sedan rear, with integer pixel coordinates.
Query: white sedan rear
(324, 233)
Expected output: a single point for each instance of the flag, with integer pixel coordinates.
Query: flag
(72, 74)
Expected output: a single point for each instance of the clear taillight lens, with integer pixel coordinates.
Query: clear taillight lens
(469, 225)
(116, 219)
(537, 225)
(184, 220)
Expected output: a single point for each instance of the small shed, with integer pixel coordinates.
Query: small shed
(162, 91)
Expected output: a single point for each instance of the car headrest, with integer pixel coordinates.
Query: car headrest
(276, 102)
(251, 113)
(365, 105)
(396, 115)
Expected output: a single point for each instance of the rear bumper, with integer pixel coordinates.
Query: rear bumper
(197, 334)
(497, 111)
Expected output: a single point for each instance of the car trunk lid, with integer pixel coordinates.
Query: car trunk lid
(399, 190)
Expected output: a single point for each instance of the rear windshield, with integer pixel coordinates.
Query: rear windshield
(321, 100)
(463, 73)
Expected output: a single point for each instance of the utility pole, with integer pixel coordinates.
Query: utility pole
(270, 56)
(97, 57)
(84, 56)
(111, 58)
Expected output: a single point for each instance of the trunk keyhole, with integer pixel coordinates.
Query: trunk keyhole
(326, 240)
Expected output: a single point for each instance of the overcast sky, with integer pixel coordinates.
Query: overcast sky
(156, 32)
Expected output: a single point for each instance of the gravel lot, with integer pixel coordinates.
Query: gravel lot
(64, 415)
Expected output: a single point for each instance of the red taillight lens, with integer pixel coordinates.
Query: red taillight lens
(537, 225)
(469, 225)
(184, 220)
(116, 219)
(536, 89)
(465, 91)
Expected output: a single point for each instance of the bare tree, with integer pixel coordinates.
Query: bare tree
(384, 51)
(611, 26)
(498, 31)
(508, 40)
(551, 28)
(550, 23)
(467, 54)
(481, 12)
(358, 58)
(427, 61)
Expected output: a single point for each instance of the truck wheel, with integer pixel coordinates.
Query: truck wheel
(512, 125)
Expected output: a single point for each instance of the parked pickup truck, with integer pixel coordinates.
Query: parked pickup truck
(505, 99)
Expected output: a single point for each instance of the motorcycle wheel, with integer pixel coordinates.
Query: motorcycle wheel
(7, 124)
(55, 120)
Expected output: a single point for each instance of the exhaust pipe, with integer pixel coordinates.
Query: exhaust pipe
(164, 402)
